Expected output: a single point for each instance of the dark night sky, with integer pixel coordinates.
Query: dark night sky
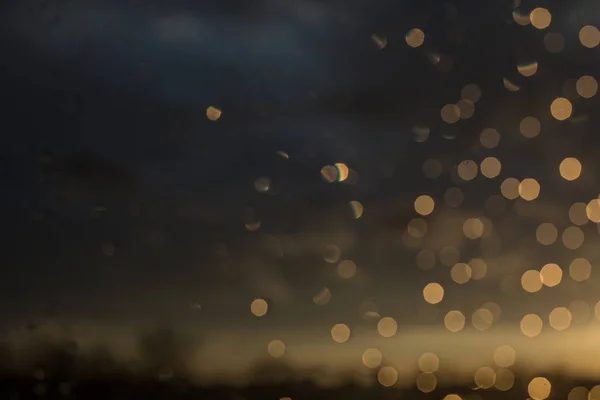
(107, 143)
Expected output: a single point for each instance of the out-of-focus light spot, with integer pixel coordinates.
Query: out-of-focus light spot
(580, 269)
(425, 259)
(592, 210)
(520, 17)
(539, 388)
(570, 168)
(276, 348)
(505, 356)
(573, 237)
(482, 319)
(387, 327)
(342, 171)
(283, 154)
(546, 233)
(253, 226)
(259, 307)
(449, 255)
(332, 254)
(454, 197)
(540, 18)
(454, 321)
(551, 274)
(510, 86)
(531, 281)
(531, 325)
(473, 228)
(478, 268)
(346, 269)
(433, 293)
(262, 184)
(589, 36)
(424, 205)
(417, 227)
(578, 214)
(530, 127)
(421, 133)
(372, 358)
(466, 107)
(340, 333)
(357, 209)
(450, 113)
(489, 138)
(491, 167)
(471, 92)
(467, 170)
(587, 86)
(485, 377)
(426, 383)
(387, 376)
(554, 42)
(429, 363)
(527, 69)
(323, 297)
(510, 188)
(560, 318)
(529, 189)
(453, 397)
(415, 37)
(461, 273)
(505, 379)
(580, 393)
(561, 108)
(329, 173)
(432, 168)
(213, 113)
(379, 40)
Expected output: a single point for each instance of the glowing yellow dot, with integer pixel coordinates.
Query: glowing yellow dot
(580, 269)
(592, 210)
(340, 333)
(387, 376)
(581, 393)
(510, 85)
(551, 275)
(573, 237)
(450, 113)
(531, 325)
(528, 69)
(570, 168)
(560, 318)
(276, 348)
(482, 319)
(540, 18)
(346, 269)
(505, 379)
(461, 273)
(578, 214)
(415, 37)
(372, 358)
(213, 113)
(426, 383)
(429, 363)
(546, 233)
(561, 108)
(530, 127)
(520, 17)
(466, 107)
(489, 138)
(471, 92)
(387, 327)
(589, 36)
(342, 171)
(587, 86)
(505, 356)
(424, 205)
(433, 293)
(357, 209)
(529, 189)
(478, 268)
(259, 307)
(453, 397)
(329, 173)
(454, 321)
(539, 388)
(473, 228)
(491, 167)
(485, 377)
(531, 281)
(467, 170)
(510, 188)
